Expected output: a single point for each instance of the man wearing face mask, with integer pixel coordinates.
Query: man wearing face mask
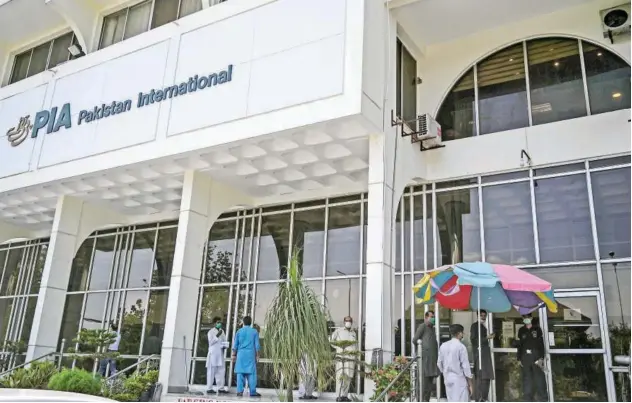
(455, 367)
(345, 366)
(531, 358)
(426, 333)
(215, 367)
(484, 374)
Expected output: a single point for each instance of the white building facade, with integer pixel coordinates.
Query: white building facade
(161, 172)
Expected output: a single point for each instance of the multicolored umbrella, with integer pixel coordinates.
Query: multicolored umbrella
(498, 288)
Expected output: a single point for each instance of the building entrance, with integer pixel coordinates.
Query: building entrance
(575, 351)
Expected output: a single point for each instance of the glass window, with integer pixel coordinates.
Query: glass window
(155, 326)
(163, 262)
(39, 262)
(564, 228)
(274, 244)
(458, 225)
(576, 375)
(141, 259)
(555, 77)
(94, 311)
(215, 303)
(343, 240)
(607, 78)
(502, 91)
(406, 84)
(219, 252)
(309, 240)
(137, 19)
(576, 323)
(456, 115)
(165, 11)
(263, 300)
(21, 66)
(12, 272)
(102, 263)
(418, 233)
(60, 53)
(71, 318)
(113, 28)
(189, 7)
(616, 281)
(39, 59)
(567, 277)
(611, 196)
(131, 314)
(508, 224)
(341, 299)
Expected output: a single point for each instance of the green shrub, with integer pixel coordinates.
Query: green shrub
(132, 387)
(75, 380)
(36, 376)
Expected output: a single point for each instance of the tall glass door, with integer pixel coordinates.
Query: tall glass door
(575, 351)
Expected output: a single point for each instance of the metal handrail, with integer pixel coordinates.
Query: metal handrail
(399, 375)
(124, 370)
(27, 363)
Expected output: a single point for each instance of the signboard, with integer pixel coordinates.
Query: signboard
(54, 119)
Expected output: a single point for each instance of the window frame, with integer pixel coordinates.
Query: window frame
(31, 47)
(127, 6)
(401, 47)
(473, 66)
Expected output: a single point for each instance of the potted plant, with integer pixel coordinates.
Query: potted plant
(297, 323)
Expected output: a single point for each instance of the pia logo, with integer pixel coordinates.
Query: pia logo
(16, 135)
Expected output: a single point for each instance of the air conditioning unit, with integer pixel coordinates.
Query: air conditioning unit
(428, 131)
(615, 22)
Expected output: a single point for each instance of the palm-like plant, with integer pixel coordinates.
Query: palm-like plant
(296, 327)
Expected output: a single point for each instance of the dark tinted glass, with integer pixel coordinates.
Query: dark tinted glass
(142, 259)
(81, 266)
(611, 195)
(458, 225)
(309, 240)
(555, 77)
(502, 91)
(60, 53)
(563, 213)
(456, 114)
(608, 79)
(39, 59)
(219, 252)
(274, 247)
(20, 66)
(508, 224)
(165, 11)
(343, 240)
(163, 261)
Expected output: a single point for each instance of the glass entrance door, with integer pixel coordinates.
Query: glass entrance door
(575, 339)
(575, 352)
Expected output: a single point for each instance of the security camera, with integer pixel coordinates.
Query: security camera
(611, 254)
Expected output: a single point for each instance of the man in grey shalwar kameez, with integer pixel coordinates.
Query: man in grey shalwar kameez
(455, 367)
(426, 333)
(485, 373)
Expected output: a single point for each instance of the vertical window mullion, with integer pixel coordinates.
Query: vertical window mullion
(178, 10)
(50, 51)
(411, 235)
(151, 15)
(584, 78)
(481, 218)
(256, 263)
(125, 24)
(528, 80)
(326, 249)
(536, 240)
(29, 65)
(4, 267)
(477, 121)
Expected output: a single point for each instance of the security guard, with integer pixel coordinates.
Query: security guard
(531, 358)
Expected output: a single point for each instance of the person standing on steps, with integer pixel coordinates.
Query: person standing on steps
(455, 367)
(429, 348)
(345, 364)
(215, 366)
(531, 360)
(485, 373)
(245, 356)
(307, 381)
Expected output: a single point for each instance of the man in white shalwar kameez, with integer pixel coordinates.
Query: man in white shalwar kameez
(455, 367)
(215, 365)
(345, 364)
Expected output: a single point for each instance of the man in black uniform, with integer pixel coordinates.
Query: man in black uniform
(531, 358)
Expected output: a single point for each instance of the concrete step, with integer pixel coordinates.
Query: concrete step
(197, 394)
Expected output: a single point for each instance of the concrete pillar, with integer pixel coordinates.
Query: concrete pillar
(203, 200)
(74, 220)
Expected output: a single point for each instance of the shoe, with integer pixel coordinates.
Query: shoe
(303, 398)
(240, 394)
(339, 399)
(312, 397)
(208, 392)
(256, 395)
(223, 391)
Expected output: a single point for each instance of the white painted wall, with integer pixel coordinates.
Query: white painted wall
(285, 53)
(442, 64)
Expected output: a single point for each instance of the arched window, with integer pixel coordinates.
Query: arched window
(535, 82)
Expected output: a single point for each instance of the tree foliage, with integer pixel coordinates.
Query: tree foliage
(297, 322)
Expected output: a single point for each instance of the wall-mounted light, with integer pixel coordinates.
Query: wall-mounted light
(616, 95)
(75, 50)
